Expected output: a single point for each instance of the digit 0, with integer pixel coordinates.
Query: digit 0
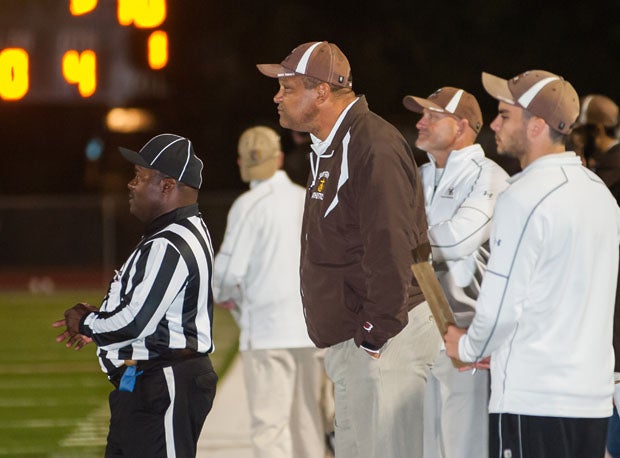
(14, 73)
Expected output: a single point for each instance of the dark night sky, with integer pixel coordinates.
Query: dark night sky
(395, 48)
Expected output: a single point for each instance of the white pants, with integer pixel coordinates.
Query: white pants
(379, 402)
(285, 390)
(456, 418)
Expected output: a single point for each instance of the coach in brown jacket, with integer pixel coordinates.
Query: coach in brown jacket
(364, 213)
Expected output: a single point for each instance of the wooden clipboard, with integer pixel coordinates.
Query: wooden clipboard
(433, 292)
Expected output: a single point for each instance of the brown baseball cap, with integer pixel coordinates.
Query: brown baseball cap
(449, 100)
(542, 93)
(258, 148)
(598, 109)
(318, 59)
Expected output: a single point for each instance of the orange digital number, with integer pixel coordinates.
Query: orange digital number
(144, 14)
(14, 73)
(157, 50)
(81, 69)
(80, 7)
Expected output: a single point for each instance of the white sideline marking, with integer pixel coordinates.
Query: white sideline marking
(91, 431)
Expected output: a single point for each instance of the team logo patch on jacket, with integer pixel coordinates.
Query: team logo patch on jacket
(449, 194)
(318, 194)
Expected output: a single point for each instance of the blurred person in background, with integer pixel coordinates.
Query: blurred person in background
(598, 122)
(598, 126)
(297, 159)
(153, 329)
(577, 142)
(257, 278)
(460, 188)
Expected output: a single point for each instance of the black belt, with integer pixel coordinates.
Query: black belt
(166, 359)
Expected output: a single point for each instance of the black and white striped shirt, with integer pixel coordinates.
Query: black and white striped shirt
(161, 299)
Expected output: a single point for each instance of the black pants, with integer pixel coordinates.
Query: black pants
(526, 436)
(164, 414)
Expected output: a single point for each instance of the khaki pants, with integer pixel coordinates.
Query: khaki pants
(456, 412)
(285, 391)
(379, 402)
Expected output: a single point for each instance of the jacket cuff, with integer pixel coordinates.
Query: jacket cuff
(370, 347)
(85, 330)
(371, 341)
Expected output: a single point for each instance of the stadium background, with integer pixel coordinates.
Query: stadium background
(210, 91)
(63, 217)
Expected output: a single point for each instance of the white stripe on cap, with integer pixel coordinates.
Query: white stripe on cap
(165, 148)
(529, 95)
(189, 154)
(303, 62)
(583, 117)
(454, 101)
(200, 171)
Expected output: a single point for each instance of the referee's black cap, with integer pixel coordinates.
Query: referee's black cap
(170, 154)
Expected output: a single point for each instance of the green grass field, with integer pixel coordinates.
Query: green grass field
(53, 400)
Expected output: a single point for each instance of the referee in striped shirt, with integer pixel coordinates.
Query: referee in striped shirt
(153, 329)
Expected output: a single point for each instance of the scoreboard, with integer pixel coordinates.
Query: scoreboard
(81, 51)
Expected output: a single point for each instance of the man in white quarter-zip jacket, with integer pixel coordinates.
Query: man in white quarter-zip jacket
(256, 274)
(460, 189)
(545, 310)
